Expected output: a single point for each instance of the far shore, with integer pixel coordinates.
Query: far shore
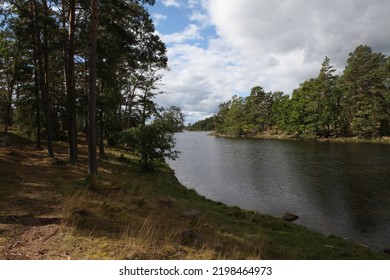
(381, 140)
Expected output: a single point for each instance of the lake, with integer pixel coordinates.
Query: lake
(341, 189)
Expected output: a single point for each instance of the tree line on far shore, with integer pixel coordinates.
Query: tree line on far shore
(354, 104)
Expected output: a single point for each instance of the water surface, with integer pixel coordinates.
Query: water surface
(335, 188)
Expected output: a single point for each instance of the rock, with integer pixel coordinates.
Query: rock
(2, 144)
(386, 251)
(289, 217)
(196, 214)
(192, 238)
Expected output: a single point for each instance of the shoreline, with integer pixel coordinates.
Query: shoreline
(382, 140)
(129, 214)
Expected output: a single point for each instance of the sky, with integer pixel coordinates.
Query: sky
(220, 48)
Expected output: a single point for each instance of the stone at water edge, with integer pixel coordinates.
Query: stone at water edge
(289, 217)
(386, 251)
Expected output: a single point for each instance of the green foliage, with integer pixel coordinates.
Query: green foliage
(280, 106)
(174, 117)
(203, 125)
(153, 143)
(258, 111)
(35, 50)
(233, 122)
(364, 85)
(354, 104)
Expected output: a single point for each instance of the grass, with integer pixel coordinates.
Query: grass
(50, 211)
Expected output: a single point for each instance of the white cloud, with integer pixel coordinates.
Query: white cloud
(276, 44)
(171, 3)
(203, 78)
(192, 3)
(200, 18)
(319, 28)
(157, 18)
(191, 32)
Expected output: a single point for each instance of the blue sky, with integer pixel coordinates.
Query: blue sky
(221, 48)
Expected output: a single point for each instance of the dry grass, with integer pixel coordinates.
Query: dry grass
(110, 228)
(51, 211)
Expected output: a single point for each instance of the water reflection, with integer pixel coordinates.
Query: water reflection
(335, 188)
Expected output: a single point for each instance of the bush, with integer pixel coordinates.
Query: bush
(153, 143)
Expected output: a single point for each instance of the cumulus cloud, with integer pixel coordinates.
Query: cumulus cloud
(171, 3)
(199, 17)
(157, 18)
(318, 28)
(192, 3)
(201, 79)
(276, 44)
(191, 32)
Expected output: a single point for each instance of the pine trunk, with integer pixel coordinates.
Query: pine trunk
(43, 74)
(92, 160)
(70, 85)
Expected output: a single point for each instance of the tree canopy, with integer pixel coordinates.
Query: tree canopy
(56, 57)
(356, 103)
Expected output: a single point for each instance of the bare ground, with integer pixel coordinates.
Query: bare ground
(30, 204)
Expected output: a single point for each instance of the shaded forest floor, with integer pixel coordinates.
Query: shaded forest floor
(49, 210)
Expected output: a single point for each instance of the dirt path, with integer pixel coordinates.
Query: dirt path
(30, 201)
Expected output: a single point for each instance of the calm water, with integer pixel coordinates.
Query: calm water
(335, 188)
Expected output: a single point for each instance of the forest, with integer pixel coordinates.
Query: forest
(90, 67)
(353, 104)
(80, 126)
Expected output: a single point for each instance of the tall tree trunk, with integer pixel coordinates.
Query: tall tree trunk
(11, 81)
(70, 84)
(38, 107)
(49, 126)
(86, 93)
(102, 154)
(92, 160)
(36, 76)
(8, 107)
(43, 76)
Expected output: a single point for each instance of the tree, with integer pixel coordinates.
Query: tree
(304, 116)
(258, 110)
(363, 84)
(174, 118)
(280, 111)
(70, 79)
(221, 115)
(385, 124)
(50, 66)
(10, 64)
(234, 119)
(129, 57)
(153, 142)
(328, 97)
(92, 158)
(207, 124)
(19, 66)
(40, 17)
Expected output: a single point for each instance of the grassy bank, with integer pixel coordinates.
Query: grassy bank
(49, 210)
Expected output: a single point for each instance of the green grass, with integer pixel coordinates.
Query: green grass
(281, 240)
(130, 214)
